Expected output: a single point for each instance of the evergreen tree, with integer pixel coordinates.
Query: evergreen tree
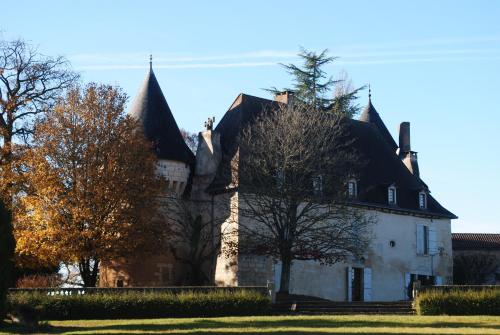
(313, 87)
(7, 247)
(311, 83)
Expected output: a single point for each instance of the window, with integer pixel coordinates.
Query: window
(352, 188)
(391, 195)
(318, 185)
(422, 239)
(422, 200)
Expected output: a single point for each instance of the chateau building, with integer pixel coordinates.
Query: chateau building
(411, 239)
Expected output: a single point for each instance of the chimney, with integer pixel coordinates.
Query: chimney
(408, 157)
(404, 137)
(208, 153)
(284, 97)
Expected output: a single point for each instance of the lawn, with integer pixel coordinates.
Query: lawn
(355, 324)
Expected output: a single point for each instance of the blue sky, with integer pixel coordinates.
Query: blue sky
(433, 63)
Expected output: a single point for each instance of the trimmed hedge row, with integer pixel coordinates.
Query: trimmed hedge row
(140, 305)
(458, 302)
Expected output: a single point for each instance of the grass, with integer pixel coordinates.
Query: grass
(295, 325)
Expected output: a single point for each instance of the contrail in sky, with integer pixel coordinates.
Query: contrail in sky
(453, 49)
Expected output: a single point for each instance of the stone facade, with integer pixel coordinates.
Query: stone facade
(147, 271)
(388, 266)
(175, 173)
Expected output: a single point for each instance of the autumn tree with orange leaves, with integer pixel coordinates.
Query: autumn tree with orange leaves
(92, 185)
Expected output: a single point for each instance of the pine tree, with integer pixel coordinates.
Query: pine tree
(311, 83)
(7, 247)
(313, 87)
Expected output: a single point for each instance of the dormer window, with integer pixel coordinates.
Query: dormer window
(352, 188)
(422, 200)
(391, 195)
(318, 185)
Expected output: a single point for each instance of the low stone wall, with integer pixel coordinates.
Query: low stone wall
(123, 290)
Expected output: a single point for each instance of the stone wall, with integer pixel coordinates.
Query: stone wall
(176, 174)
(226, 267)
(147, 271)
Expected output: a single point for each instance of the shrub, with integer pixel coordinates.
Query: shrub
(459, 302)
(142, 305)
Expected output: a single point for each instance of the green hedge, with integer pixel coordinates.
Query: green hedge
(459, 302)
(141, 305)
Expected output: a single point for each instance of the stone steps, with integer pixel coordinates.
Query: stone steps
(312, 305)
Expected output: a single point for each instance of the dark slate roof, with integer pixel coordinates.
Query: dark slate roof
(242, 111)
(370, 115)
(468, 241)
(151, 108)
(382, 169)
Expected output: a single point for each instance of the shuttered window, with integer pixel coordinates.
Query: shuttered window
(422, 239)
(391, 195)
(422, 200)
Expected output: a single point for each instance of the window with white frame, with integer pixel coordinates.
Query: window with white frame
(391, 195)
(422, 239)
(422, 200)
(352, 188)
(318, 185)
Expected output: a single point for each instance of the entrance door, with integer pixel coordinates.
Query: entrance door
(357, 284)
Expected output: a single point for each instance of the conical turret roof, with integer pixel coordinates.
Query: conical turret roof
(370, 115)
(151, 108)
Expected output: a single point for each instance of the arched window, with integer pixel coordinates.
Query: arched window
(352, 189)
(391, 195)
(422, 200)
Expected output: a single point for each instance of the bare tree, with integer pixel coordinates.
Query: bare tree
(194, 236)
(30, 84)
(345, 96)
(191, 140)
(294, 164)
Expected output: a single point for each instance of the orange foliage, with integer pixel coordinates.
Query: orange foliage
(92, 189)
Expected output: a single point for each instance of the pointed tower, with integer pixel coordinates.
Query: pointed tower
(175, 162)
(370, 115)
(175, 159)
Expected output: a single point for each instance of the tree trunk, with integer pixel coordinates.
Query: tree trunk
(7, 247)
(89, 269)
(286, 264)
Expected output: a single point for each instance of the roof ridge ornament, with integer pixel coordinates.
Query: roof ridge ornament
(151, 62)
(209, 124)
(369, 92)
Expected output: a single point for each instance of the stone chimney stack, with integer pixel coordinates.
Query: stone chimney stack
(208, 153)
(407, 156)
(208, 157)
(404, 137)
(284, 97)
